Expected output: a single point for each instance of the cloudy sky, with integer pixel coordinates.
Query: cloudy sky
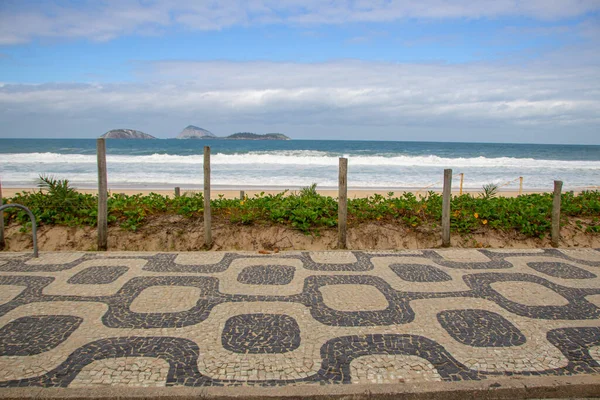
(432, 70)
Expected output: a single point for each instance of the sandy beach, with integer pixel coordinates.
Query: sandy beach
(230, 193)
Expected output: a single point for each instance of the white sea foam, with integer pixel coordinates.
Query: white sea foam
(301, 158)
(296, 168)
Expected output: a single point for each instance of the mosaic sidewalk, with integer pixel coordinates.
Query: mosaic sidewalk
(84, 320)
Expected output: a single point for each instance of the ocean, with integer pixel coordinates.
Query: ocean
(162, 164)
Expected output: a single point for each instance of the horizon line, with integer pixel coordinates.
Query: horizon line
(319, 140)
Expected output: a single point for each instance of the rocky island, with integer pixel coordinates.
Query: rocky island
(126, 134)
(194, 132)
(256, 136)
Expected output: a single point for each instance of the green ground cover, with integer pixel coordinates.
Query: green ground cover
(56, 203)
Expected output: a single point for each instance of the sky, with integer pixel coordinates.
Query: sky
(428, 70)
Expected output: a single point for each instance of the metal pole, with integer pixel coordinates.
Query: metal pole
(343, 203)
(2, 243)
(102, 196)
(447, 195)
(207, 217)
(555, 234)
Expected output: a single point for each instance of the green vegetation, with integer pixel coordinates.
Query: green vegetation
(490, 190)
(56, 203)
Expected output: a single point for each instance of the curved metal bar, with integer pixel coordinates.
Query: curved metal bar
(33, 224)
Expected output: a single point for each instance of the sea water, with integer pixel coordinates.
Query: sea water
(239, 164)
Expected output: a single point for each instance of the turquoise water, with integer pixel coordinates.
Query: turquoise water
(291, 164)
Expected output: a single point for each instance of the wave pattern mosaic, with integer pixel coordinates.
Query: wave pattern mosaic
(200, 319)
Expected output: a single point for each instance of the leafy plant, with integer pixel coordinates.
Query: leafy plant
(490, 190)
(309, 190)
(57, 203)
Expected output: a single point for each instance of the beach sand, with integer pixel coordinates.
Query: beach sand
(177, 233)
(230, 194)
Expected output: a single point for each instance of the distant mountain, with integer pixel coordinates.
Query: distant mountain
(126, 134)
(255, 136)
(193, 132)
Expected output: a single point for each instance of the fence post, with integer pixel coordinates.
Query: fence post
(447, 195)
(555, 238)
(520, 185)
(207, 218)
(2, 244)
(462, 178)
(242, 195)
(177, 191)
(102, 195)
(342, 203)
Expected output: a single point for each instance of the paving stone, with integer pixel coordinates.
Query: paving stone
(420, 273)
(27, 336)
(267, 275)
(123, 371)
(152, 299)
(353, 297)
(529, 293)
(561, 270)
(595, 299)
(9, 292)
(261, 333)
(97, 275)
(296, 318)
(392, 369)
(480, 328)
(463, 255)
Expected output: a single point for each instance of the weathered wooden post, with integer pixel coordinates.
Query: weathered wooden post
(447, 195)
(520, 185)
(102, 196)
(207, 218)
(555, 234)
(342, 203)
(462, 178)
(2, 244)
(242, 195)
(177, 191)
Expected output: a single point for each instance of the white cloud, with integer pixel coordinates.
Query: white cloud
(21, 22)
(335, 94)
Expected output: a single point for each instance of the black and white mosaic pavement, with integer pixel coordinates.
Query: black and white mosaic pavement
(98, 275)
(202, 319)
(267, 275)
(261, 333)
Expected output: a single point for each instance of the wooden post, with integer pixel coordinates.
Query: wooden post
(342, 203)
(447, 195)
(2, 244)
(462, 178)
(242, 195)
(102, 196)
(177, 191)
(520, 185)
(207, 218)
(555, 234)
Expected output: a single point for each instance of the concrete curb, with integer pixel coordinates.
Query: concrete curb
(507, 388)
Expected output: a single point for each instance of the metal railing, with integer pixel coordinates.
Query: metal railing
(33, 225)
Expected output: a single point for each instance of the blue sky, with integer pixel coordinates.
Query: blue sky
(440, 70)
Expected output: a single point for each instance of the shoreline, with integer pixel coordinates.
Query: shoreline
(230, 193)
